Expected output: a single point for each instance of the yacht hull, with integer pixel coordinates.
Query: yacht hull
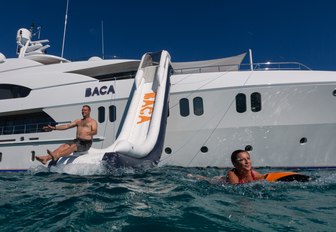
(290, 124)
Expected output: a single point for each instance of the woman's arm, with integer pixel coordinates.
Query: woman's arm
(197, 177)
(232, 178)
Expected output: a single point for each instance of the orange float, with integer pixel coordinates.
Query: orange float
(286, 176)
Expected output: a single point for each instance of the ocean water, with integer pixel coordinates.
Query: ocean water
(164, 199)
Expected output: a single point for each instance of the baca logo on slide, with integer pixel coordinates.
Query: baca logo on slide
(97, 91)
(147, 107)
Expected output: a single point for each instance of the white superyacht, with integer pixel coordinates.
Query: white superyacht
(283, 113)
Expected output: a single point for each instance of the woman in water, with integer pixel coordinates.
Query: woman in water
(242, 171)
(240, 174)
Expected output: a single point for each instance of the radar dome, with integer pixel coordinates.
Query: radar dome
(2, 58)
(95, 58)
(23, 35)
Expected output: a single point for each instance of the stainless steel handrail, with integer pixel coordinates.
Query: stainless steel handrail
(244, 67)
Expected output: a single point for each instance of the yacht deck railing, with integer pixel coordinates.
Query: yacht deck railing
(280, 66)
(25, 128)
(268, 66)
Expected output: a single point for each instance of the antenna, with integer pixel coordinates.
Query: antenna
(65, 23)
(102, 28)
(251, 60)
(39, 31)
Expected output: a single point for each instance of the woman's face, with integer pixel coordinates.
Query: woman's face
(243, 161)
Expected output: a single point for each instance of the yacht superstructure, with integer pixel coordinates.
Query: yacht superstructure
(283, 114)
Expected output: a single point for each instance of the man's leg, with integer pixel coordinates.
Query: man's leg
(65, 151)
(45, 158)
(61, 148)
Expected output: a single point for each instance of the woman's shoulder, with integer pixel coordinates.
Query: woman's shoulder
(232, 171)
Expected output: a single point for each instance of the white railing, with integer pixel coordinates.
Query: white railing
(268, 66)
(280, 66)
(25, 128)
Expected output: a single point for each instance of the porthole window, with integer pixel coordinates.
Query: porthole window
(204, 149)
(101, 114)
(248, 148)
(240, 103)
(184, 107)
(303, 140)
(198, 106)
(112, 113)
(334, 93)
(168, 150)
(255, 102)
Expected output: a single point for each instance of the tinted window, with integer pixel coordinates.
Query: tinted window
(255, 102)
(25, 123)
(184, 107)
(101, 114)
(112, 113)
(198, 106)
(241, 103)
(13, 91)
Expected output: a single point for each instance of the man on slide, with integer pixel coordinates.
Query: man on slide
(86, 129)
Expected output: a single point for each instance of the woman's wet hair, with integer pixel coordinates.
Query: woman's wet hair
(234, 155)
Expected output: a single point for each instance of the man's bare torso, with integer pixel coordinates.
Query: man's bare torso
(83, 127)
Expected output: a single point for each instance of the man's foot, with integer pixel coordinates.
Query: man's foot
(43, 159)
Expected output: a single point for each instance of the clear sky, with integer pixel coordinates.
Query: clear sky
(275, 30)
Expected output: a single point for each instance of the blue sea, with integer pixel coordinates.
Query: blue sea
(164, 199)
